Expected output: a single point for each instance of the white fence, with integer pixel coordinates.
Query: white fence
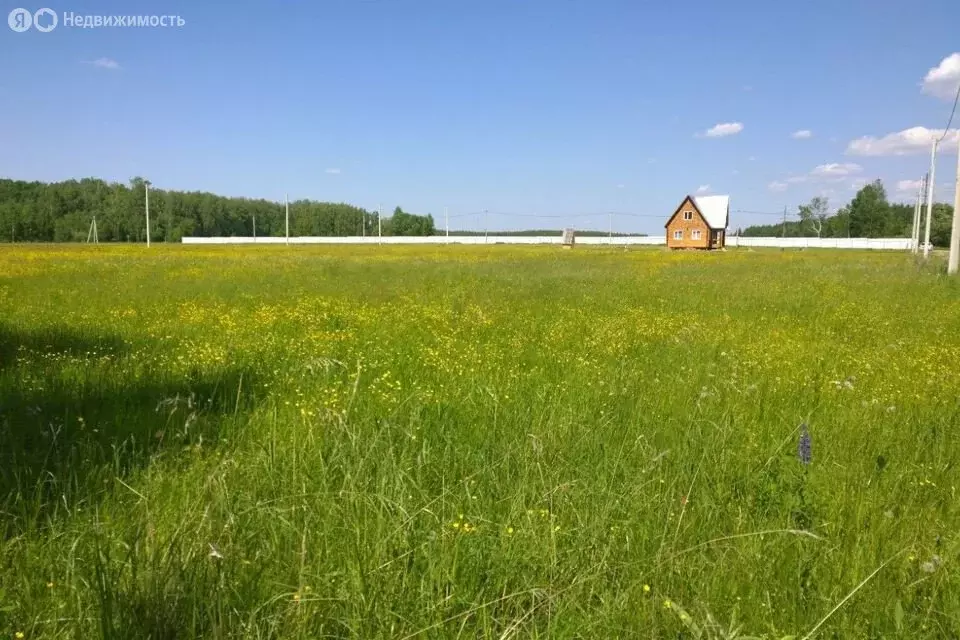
(646, 240)
(901, 244)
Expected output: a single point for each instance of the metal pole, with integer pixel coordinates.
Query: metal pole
(930, 184)
(379, 226)
(446, 218)
(784, 242)
(953, 262)
(485, 227)
(286, 205)
(611, 229)
(146, 206)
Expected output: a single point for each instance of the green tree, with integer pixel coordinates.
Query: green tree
(869, 211)
(814, 213)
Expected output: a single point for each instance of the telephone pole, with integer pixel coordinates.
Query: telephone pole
(915, 230)
(286, 206)
(930, 183)
(446, 222)
(254, 228)
(146, 207)
(379, 226)
(953, 262)
(784, 224)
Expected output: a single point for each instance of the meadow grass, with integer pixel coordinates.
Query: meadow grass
(426, 442)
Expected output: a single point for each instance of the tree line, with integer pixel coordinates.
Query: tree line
(868, 215)
(63, 211)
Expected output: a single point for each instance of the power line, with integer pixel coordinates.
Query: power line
(950, 120)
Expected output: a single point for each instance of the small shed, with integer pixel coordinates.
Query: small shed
(699, 223)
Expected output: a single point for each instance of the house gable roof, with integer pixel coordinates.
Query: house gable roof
(713, 210)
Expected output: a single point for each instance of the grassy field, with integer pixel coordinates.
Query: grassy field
(426, 442)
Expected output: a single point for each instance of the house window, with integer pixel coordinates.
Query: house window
(688, 215)
(696, 234)
(678, 234)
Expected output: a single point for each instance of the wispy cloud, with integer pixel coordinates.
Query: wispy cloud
(836, 170)
(942, 80)
(802, 134)
(723, 129)
(104, 63)
(909, 186)
(703, 188)
(901, 143)
(333, 172)
(832, 172)
(621, 186)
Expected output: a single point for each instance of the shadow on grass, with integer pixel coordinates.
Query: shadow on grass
(69, 427)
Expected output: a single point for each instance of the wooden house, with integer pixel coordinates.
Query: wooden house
(699, 223)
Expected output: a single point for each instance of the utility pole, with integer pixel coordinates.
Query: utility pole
(446, 222)
(953, 262)
(254, 228)
(379, 226)
(286, 206)
(610, 215)
(146, 207)
(485, 226)
(916, 218)
(784, 226)
(930, 184)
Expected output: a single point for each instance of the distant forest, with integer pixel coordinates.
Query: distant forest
(62, 211)
(868, 215)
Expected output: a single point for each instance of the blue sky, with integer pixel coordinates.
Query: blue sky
(569, 108)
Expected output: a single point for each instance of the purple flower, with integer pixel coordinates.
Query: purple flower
(803, 447)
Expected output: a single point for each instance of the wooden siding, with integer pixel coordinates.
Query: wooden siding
(677, 223)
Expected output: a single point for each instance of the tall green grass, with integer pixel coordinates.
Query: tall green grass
(420, 442)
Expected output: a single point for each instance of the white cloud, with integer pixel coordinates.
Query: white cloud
(802, 134)
(902, 143)
(825, 173)
(858, 183)
(724, 129)
(333, 172)
(105, 63)
(942, 80)
(703, 188)
(835, 170)
(621, 186)
(909, 186)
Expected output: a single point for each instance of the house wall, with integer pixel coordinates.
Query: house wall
(688, 226)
